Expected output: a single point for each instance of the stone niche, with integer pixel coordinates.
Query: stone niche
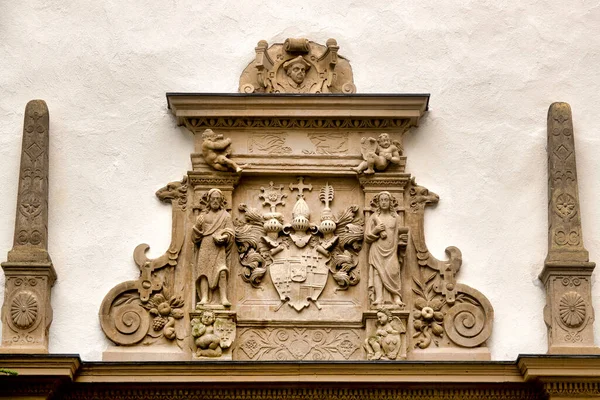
(298, 233)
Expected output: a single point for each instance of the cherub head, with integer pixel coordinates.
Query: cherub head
(384, 140)
(384, 316)
(296, 69)
(209, 134)
(208, 318)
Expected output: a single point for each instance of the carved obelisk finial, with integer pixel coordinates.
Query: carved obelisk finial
(567, 272)
(26, 311)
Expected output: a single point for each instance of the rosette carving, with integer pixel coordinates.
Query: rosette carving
(24, 310)
(572, 309)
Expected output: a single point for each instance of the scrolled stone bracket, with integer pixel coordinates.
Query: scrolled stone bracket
(568, 314)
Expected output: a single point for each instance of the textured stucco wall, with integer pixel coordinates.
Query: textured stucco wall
(492, 68)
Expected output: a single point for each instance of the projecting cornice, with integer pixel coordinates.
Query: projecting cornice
(358, 111)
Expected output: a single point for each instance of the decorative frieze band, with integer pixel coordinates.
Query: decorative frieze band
(198, 124)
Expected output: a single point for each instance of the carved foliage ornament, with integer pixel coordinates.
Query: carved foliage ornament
(299, 344)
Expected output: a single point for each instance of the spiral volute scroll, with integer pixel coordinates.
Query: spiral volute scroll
(122, 318)
(469, 324)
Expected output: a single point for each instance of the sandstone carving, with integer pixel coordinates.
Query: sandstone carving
(164, 309)
(135, 310)
(214, 235)
(266, 265)
(297, 66)
(216, 151)
(208, 343)
(388, 239)
(442, 308)
(329, 144)
(299, 255)
(30, 275)
(213, 332)
(310, 344)
(386, 344)
(269, 144)
(378, 154)
(568, 314)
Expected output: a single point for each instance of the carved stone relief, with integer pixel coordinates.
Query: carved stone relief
(386, 338)
(297, 66)
(378, 154)
(216, 151)
(299, 255)
(213, 331)
(328, 144)
(30, 275)
(214, 235)
(298, 236)
(150, 310)
(568, 314)
(300, 344)
(269, 144)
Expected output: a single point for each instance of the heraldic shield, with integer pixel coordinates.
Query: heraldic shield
(299, 278)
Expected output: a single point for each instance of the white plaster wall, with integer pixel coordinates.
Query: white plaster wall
(492, 68)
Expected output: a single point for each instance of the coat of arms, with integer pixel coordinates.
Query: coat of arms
(299, 255)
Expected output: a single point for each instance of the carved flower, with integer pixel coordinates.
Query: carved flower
(428, 314)
(251, 347)
(428, 318)
(24, 310)
(565, 204)
(572, 309)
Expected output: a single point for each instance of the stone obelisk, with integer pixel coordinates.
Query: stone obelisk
(567, 271)
(26, 311)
